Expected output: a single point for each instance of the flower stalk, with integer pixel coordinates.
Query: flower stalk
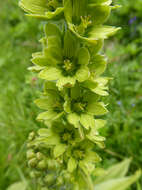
(62, 154)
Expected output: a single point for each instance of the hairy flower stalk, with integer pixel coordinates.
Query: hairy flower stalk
(62, 155)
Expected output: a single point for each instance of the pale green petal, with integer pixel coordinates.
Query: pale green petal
(43, 132)
(87, 121)
(96, 108)
(82, 74)
(65, 81)
(49, 115)
(52, 30)
(73, 118)
(34, 6)
(92, 157)
(72, 164)
(83, 56)
(99, 32)
(50, 73)
(59, 150)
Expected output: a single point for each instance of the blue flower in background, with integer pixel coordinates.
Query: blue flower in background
(132, 20)
(119, 103)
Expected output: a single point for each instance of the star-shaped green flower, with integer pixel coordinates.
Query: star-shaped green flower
(82, 105)
(85, 19)
(60, 136)
(81, 155)
(44, 9)
(52, 102)
(62, 59)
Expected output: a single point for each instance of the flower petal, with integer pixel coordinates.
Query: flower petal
(72, 164)
(50, 73)
(96, 108)
(83, 56)
(73, 118)
(65, 81)
(87, 121)
(82, 74)
(59, 150)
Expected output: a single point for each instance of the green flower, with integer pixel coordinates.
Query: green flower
(45, 9)
(52, 102)
(82, 156)
(60, 136)
(82, 105)
(85, 19)
(62, 59)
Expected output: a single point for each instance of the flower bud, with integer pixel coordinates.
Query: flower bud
(42, 165)
(52, 165)
(30, 154)
(60, 181)
(33, 162)
(49, 179)
(31, 136)
(39, 155)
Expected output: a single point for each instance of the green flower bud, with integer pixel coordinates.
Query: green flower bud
(30, 154)
(42, 165)
(32, 174)
(60, 181)
(49, 179)
(33, 162)
(39, 155)
(31, 136)
(52, 165)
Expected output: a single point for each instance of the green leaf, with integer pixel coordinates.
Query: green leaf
(83, 56)
(50, 73)
(73, 118)
(59, 150)
(117, 171)
(118, 184)
(82, 74)
(87, 121)
(72, 164)
(96, 108)
(18, 186)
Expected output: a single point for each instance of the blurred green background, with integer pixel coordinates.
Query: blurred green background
(19, 37)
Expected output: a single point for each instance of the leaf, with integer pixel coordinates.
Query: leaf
(72, 164)
(59, 150)
(116, 171)
(18, 186)
(118, 184)
(50, 73)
